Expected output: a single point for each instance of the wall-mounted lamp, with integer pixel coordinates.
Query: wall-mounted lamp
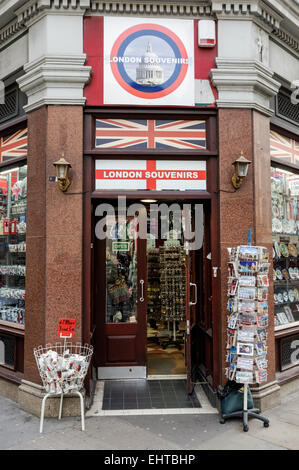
(62, 169)
(241, 168)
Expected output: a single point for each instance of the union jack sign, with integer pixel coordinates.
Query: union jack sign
(150, 175)
(284, 148)
(150, 134)
(14, 145)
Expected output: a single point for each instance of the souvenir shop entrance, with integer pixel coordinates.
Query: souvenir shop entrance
(151, 259)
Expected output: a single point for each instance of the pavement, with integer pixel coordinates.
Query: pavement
(162, 431)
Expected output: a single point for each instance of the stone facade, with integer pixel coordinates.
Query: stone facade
(257, 50)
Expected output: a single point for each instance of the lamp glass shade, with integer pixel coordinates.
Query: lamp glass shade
(241, 166)
(243, 169)
(62, 167)
(61, 171)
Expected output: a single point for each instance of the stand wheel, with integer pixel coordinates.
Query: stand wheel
(245, 428)
(221, 420)
(266, 425)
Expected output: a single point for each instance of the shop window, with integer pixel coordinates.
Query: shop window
(289, 352)
(121, 272)
(7, 351)
(284, 148)
(285, 230)
(13, 203)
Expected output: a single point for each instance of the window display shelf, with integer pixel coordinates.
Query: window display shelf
(18, 326)
(13, 201)
(285, 226)
(286, 326)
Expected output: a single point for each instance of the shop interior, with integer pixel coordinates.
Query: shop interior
(164, 290)
(166, 307)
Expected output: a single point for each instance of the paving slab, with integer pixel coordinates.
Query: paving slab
(20, 431)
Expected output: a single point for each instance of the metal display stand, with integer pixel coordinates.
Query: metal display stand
(63, 368)
(257, 326)
(245, 413)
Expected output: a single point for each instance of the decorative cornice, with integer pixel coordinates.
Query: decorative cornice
(244, 84)
(244, 9)
(286, 39)
(257, 10)
(145, 8)
(55, 80)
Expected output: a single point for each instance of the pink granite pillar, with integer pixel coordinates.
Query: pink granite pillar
(54, 229)
(248, 207)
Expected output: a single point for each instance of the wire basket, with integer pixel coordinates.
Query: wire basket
(63, 367)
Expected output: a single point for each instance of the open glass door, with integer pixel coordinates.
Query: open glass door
(191, 306)
(120, 296)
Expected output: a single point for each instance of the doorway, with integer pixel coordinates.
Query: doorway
(166, 307)
(148, 287)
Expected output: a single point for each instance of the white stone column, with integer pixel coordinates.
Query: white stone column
(55, 72)
(243, 77)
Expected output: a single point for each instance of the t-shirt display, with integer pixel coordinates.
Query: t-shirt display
(13, 203)
(285, 231)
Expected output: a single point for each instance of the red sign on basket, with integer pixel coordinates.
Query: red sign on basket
(66, 328)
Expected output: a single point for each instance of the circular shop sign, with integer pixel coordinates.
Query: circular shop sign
(170, 54)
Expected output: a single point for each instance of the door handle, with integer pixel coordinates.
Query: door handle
(141, 298)
(195, 300)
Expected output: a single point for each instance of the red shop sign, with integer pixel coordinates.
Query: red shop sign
(66, 328)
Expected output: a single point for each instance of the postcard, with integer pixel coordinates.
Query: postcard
(262, 334)
(245, 348)
(232, 269)
(264, 268)
(247, 293)
(246, 334)
(261, 362)
(231, 357)
(248, 252)
(263, 280)
(247, 281)
(263, 253)
(231, 338)
(247, 318)
(261, 376)
(248, 266)
(233, 285)
(261, 349)
(232, 321)
(262, 307)
(262, 293)
(246, 307)
(232, 305)
(245, 363)
(262, 320)
(244, 377)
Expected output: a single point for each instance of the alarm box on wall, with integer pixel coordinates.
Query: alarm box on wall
(206, 33)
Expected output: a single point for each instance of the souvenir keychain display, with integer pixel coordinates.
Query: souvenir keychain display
(285, 231)
(153, 285)
(286, 281)
(173, 289)
(13, 200)
(248, 283)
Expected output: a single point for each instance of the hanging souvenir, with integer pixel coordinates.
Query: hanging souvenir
(292, 250)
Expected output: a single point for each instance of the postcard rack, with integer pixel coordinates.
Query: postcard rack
(248, 282)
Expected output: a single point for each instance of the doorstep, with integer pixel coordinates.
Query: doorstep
(147, 397)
